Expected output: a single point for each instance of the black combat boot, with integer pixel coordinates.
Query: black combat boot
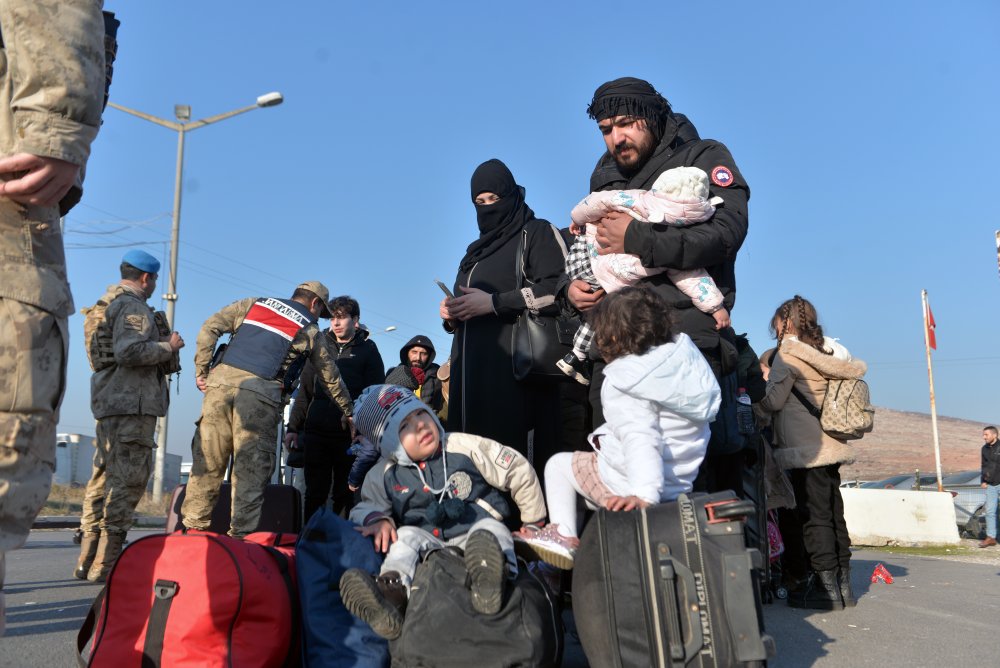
(821, 592)
(380, 601)
(846, 593)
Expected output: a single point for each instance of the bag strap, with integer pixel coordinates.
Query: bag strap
(815, 412)
(519, 259)
(89, 627)
(152, 648)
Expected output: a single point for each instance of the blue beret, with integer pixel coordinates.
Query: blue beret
(142, 260)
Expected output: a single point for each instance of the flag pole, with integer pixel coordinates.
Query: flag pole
(930, 381)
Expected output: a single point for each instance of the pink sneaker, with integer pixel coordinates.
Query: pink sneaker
(549, 545)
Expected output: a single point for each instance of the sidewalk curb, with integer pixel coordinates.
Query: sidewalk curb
(72, 522)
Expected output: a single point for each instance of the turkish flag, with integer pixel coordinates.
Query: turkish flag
(931, 341)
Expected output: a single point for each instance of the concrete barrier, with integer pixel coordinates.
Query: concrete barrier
(899, 517)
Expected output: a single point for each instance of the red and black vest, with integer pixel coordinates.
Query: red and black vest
(260, 344)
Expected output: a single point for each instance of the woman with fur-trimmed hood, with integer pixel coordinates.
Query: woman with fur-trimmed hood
(805, 361)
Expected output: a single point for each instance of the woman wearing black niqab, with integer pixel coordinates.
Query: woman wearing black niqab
(484, 397)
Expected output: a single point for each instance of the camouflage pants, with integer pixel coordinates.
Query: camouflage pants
(93, 499)
(243, 424)
(128, 442)
(33, 347)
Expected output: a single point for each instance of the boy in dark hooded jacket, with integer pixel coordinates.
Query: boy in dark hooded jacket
(433, 489)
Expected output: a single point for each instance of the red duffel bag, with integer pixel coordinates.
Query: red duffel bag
(197, 599)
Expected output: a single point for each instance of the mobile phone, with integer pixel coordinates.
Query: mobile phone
(444, 289)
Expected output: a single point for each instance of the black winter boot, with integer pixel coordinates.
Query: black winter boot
(487, 568)
(822, 592)
(844, 581)
(379, 601)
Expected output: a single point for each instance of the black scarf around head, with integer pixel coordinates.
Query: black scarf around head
(500, 221)
(629, 96)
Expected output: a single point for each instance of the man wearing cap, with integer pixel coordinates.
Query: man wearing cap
(644, 137)
(132, 351)
(244, 394)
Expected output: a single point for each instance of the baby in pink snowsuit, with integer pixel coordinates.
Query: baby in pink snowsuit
(679, 196)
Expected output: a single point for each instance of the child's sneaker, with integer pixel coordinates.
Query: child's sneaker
(575, 368)
(550, 546)
(379, 601)
(487, 568)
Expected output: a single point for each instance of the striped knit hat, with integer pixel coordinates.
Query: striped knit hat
(380, 410)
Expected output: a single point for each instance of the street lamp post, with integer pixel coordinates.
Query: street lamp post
(182, 126)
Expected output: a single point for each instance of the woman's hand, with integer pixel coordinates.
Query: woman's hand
(383, 531)
(616, 503)
(446, 314)
(581, 297)
(473, 303)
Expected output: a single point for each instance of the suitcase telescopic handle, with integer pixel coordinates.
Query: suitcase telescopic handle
(729, 509)
(671, 569)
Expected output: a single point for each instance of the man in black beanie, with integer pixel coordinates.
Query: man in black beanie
(644, 137)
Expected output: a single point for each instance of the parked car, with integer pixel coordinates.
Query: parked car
(903, 482)
(969, 495)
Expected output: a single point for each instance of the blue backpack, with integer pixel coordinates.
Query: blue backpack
(331, 636)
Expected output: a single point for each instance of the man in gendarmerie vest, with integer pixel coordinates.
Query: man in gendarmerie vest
(244, 395)
(132, 352)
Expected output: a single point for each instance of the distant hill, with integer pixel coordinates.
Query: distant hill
(903, 441)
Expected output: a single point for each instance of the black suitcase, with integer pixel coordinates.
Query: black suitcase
(281, 512)
(442, 630)
(755, 491)
(669, 586)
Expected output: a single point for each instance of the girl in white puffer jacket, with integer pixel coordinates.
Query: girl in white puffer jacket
(659, 396)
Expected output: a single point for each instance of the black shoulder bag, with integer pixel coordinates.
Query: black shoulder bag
(539, 341)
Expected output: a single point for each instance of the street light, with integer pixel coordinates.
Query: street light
(182, 126)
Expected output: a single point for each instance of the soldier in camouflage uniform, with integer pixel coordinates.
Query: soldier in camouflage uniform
(52, 83)
(128, 391)
(245, 393)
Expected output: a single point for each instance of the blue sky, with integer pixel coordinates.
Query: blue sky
(866, 130)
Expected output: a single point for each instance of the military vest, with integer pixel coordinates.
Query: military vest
(97, 334)
(261, 343)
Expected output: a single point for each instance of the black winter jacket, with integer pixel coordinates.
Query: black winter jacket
(991, 464)
(431, 389)
(360, 365)
(712, 244)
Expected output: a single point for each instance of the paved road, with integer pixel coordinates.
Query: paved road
(937, 613)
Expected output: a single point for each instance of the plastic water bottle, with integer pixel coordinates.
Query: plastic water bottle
(744, 412)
